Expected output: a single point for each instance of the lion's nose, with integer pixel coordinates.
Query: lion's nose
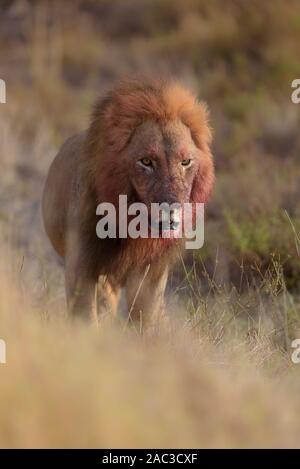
(170, 218)
(175, 214)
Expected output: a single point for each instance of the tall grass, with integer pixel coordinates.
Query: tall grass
(188, 385)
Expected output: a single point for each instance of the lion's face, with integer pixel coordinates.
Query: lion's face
(155, 149)
(163, 161)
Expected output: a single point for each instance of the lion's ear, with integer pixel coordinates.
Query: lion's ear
(204, 179)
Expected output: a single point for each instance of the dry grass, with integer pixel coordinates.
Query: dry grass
(220, 374)
(67, 385)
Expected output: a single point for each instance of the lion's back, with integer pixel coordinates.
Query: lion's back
(58, 197)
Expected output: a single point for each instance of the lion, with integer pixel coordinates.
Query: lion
(148, 140)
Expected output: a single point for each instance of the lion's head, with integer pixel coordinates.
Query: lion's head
(151, 141)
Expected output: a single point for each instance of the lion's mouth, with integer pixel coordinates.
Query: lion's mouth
(164, 229)
(172, 225)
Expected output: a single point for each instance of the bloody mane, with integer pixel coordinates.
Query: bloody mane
(114, 120)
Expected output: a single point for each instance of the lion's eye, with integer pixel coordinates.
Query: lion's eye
(146, 161)
(186, 162)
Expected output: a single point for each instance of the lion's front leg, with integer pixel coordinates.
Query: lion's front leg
(81, 288)
(108, 297)
(145, 297)
(81, 298)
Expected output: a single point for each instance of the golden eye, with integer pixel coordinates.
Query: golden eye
(146, 161)
(186, 162)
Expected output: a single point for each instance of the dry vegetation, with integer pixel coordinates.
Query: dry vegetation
(220, 373)
(73, 386)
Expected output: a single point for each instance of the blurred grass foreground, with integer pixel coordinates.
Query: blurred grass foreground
(220, 373)
(74, 387)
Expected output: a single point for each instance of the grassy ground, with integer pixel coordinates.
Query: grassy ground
(220, 374)
(68, 386)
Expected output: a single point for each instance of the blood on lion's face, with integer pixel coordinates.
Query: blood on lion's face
(163, 161)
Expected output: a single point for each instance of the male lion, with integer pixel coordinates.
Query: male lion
(149, 141)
